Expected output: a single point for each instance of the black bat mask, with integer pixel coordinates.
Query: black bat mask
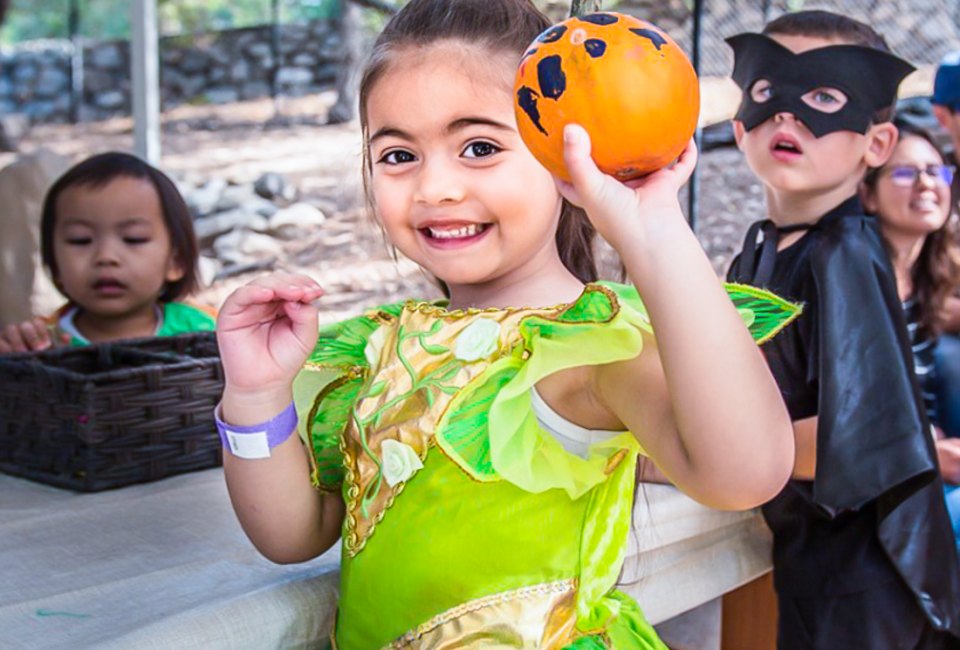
(868, 77)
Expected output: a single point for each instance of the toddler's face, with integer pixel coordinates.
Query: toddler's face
(112, 247)
(455, 188)
(785, 154)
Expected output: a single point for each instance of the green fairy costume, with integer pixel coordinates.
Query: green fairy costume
(467, 525)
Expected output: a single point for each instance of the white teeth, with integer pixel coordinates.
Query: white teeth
(455, 233)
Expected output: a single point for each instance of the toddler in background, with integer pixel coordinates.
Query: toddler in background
(118, 241)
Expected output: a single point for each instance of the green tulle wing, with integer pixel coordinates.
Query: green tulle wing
(490, 430)
(462, 431)
(764, 313)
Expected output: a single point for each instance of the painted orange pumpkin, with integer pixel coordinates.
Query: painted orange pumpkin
(621, 78)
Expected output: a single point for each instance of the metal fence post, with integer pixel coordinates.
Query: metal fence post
(274, 46)
(76, 61)
(693, 188)
(145, 71)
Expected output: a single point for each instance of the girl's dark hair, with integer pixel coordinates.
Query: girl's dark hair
(936, 273)
(500, 26)
(817, 23)
(99, 170)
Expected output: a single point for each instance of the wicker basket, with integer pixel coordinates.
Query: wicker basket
(104, 416)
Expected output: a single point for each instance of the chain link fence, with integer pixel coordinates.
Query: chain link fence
(921, 31)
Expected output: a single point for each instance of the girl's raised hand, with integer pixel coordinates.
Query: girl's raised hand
(266, 330)
(617, 209)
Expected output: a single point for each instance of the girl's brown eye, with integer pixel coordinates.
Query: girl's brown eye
(397, 157)
(480, 149)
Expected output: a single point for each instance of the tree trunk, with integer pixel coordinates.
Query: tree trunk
(348, 75)
(581, 7)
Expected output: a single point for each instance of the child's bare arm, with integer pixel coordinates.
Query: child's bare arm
(286, 519)
(805, 434)
(700, 398)
(266, 331)
(732, 453)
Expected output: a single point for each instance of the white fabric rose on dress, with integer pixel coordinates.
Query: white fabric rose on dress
(374, 346)
(478, 340)
(400, 462)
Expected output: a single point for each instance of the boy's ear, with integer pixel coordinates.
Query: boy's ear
(881, 141)
(738, 132)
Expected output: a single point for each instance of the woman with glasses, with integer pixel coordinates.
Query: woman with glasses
(910, 196)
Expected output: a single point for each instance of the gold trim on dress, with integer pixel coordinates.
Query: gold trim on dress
(539, 616)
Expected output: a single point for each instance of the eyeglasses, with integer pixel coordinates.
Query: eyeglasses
(907, 175)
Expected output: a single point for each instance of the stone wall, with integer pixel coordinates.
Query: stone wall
(220, 67)
(217, 67)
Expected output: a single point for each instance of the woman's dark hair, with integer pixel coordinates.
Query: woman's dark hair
(936, 273)
(817, 23)
(500, 26)
(99, 170)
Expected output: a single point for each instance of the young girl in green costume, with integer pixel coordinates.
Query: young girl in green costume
(477, 456)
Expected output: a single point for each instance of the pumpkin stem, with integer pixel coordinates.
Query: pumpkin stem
(582, 7)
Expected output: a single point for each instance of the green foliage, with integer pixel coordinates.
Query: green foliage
(110, 19)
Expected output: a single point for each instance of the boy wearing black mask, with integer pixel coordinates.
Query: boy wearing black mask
(863, 551)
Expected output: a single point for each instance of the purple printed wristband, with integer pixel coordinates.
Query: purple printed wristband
(254, 442)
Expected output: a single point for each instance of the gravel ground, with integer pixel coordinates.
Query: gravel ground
(346, 255)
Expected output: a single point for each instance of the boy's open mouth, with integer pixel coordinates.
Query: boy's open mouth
(786, 145)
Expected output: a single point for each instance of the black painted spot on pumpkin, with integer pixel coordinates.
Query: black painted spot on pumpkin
(600, 19)
(528, 53)
(550, 76)
(595, 47)
(527, 99)
(655, 37)
(553, 34)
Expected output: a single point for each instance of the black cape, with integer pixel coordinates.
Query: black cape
(875, 513)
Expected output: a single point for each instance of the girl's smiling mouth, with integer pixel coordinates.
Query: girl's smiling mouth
(453, 235)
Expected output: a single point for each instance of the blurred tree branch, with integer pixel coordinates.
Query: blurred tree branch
(378, 5)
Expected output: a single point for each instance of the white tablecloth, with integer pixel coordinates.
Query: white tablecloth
(165, 565)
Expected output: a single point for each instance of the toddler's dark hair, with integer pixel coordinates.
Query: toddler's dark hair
(818, 23)
(99, 170)
(503, 26)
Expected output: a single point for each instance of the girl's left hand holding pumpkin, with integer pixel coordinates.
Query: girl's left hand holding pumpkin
(623, 212)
